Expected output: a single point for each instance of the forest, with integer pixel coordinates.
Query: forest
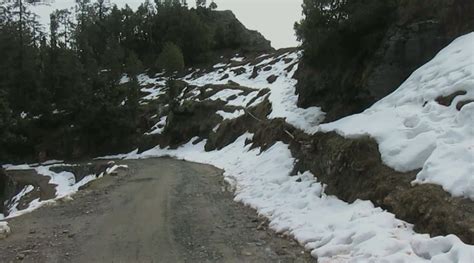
(66, 79)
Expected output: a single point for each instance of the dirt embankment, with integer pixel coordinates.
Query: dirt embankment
(352, 169)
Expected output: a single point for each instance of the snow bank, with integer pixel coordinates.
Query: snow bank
(333, 230)
(415, 131)
(4, 230)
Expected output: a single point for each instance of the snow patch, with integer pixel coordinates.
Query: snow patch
(159, 127)
(231, 115)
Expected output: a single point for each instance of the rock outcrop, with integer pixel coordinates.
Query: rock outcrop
(233, 33)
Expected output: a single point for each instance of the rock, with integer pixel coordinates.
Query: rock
(272, 79)
(4, 230)
(239, 71)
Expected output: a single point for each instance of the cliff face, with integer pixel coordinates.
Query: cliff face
(418, 30)
(231, 32)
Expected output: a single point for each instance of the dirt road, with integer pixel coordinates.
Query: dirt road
(159, 210)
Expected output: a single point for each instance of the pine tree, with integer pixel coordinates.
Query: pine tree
(201, 3)
(171, 58)
(213, 5)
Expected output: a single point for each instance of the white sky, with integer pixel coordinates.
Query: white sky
(273, 18)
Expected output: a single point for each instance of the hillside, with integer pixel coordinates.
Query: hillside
(382, 173)
(240, 115)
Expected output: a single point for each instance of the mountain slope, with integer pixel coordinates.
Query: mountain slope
(241, 115)
(428, 122)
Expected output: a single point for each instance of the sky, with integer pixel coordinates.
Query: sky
(273, 18)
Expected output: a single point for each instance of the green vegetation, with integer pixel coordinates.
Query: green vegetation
(171, 59)
(60, 91)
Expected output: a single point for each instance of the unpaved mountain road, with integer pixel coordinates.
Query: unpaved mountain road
(159, 210)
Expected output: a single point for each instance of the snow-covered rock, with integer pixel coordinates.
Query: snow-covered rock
(414, 130)
(4, 230)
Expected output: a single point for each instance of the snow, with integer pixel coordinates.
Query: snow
(231, 115)
(159, 127)
(283, 92)
(4, 230)
(115, 168)
(414, 131)
(153, 86)
(225, 94)
(237, 59)
(16, 199)
(333, 230)
(65, 182)
(219, 65)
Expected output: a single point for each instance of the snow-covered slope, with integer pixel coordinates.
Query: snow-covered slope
(414, 130)
(283, 93)
(333, 230)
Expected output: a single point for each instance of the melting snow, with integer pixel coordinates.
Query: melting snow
(414, 131)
